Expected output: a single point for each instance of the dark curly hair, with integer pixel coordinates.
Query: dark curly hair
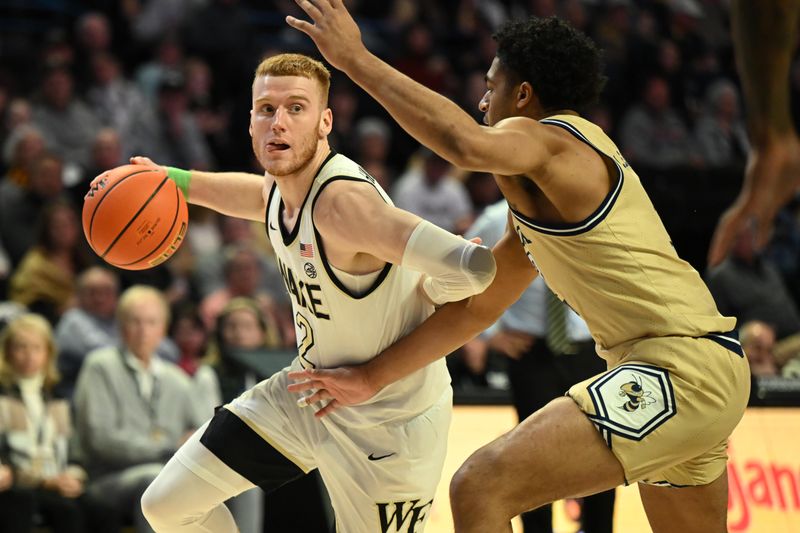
(564, 66)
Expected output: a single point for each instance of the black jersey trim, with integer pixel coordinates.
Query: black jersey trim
(290, 236)
(323, 256)
(576, 228)
(269, 203)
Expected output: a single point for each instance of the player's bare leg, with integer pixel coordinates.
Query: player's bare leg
(555, 453)
(689, 509)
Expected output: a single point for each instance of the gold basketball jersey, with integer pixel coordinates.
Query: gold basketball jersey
(618, 268)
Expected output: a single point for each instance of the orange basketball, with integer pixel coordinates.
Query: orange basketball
(134, 216)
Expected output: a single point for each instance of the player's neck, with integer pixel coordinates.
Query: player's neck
(294, 187)
(553, 112)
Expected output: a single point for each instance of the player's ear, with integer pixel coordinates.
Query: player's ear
(326, 122)
(250, 125)
(525, 95)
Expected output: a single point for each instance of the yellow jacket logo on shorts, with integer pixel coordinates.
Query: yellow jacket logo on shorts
(637, 396)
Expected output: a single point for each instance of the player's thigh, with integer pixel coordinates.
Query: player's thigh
(555, 453)
(384, 478)
(264, 426)
(700, 509)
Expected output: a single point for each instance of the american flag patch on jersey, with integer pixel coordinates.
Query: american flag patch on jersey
(306, 250)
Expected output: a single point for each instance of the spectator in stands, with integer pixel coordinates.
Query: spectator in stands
(69, 126)
(721, 134)
(92, 325)
(35, 430)
(178, 141)
(20, 207)
(652, 133)
(227, 233)
(93, 36)
(242, 272)
(168, 59)
(373, 138)
(343, 99)
(230, 22)
(190, 337)
(429, 190)
(420, 60)
(748, 286)
(133, 409)
(106, 154)
(88, 326)
(23, 147)
(119, 104)
(211, 115)
(44, 279)
(93, 33)
(150, 19)
(758, 343)
(241, 325)
(19, 113)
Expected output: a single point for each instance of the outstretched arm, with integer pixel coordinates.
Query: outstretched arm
(235, 194)
(514, 146)
(765, 34)
(444, 332)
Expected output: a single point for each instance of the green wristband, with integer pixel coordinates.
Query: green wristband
(181, 178)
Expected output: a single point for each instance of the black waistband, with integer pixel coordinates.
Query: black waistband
(729, 340)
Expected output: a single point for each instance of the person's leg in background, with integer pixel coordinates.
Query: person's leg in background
(248, 510)
(16, 510)
(535, 380)
(123, 491)
(61, 514)
(597, 511)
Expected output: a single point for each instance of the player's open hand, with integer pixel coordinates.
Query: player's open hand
(333, 30)
(772, 178)
(346, 385)
(135, 160)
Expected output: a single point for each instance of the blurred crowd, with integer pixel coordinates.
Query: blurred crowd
(85, 85)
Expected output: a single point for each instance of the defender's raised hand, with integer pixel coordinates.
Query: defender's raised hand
(334, 31)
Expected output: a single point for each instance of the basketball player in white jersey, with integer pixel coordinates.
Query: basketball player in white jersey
(361, 274)
(677, 381)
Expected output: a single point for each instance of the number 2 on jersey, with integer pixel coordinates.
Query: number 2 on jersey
(307, 340)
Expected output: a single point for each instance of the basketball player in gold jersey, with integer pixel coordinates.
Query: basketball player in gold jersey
(677, 382)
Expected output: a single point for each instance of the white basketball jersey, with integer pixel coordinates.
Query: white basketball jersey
(336, 325)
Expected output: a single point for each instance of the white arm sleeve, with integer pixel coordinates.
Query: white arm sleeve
(456, 268)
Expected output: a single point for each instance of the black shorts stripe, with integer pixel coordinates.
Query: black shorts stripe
(729, 341)
(242, 449)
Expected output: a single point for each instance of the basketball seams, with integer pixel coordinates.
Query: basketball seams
(105, 195)
(134, 217)
(167, 235)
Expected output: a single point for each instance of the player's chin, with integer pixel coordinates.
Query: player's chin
(280, 168)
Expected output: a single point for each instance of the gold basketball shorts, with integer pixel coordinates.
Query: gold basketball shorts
(667, 408)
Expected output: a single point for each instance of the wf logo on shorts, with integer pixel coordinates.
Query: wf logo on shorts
(650, 401)
(637, 396)
(402, 516)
